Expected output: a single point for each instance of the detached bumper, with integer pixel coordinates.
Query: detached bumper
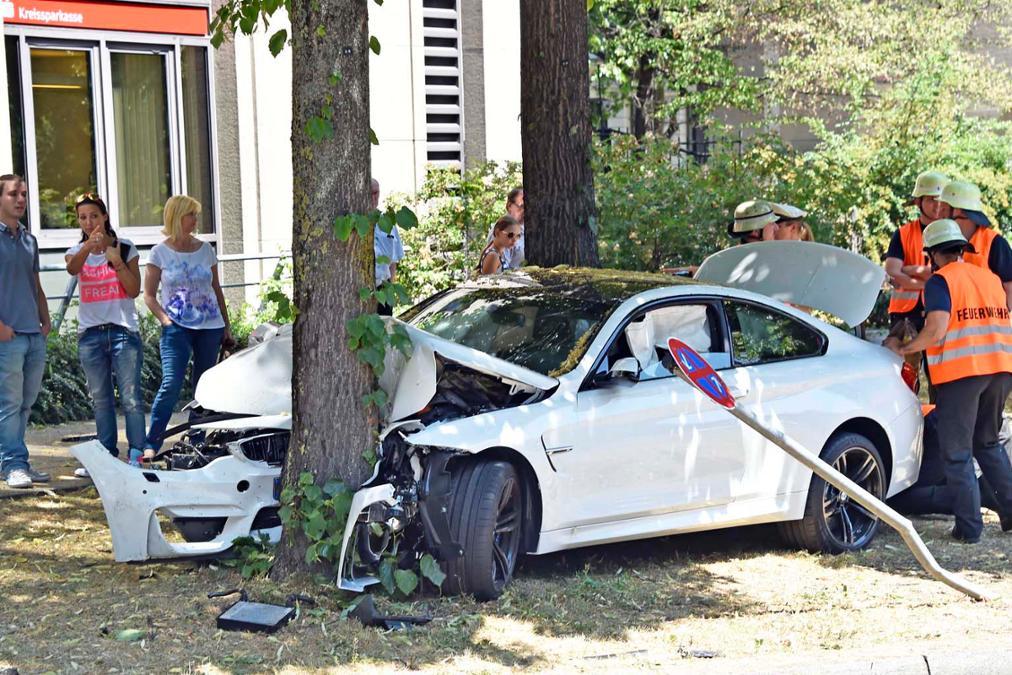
(232, 487)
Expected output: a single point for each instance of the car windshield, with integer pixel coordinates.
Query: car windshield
(544, 330)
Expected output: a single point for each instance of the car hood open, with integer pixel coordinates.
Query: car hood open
(258, 380)
(803, 273)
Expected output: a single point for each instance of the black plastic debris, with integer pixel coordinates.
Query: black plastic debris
(256, 617)
(367, 614)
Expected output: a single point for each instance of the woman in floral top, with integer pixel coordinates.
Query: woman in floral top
(190, 307)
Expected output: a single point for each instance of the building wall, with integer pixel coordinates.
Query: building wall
(501, 58)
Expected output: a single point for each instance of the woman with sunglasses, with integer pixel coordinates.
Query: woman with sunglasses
(504, 235)
(190, 307)
(109, 343)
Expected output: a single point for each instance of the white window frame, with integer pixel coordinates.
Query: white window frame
(101, 44)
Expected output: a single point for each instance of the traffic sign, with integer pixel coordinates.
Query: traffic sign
(699, 373)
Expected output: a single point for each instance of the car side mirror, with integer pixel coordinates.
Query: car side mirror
(627, 368)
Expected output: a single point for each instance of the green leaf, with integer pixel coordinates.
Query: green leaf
(314, 526)
(406, 580)
(130, 635)
(385, 573)
(343, 226)
(385, 222)
(432, 570)
(321, 31)
(372, 137)
(311, 554)
(334, 487)
(319, 129)
(277, 42)
(361, 224)
(306, 478)
(313, 493)
(285, 513)
(406, 218)
(374, 45)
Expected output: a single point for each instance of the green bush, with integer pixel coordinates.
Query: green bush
(455, 212)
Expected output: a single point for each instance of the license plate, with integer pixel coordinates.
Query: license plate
(277, 489)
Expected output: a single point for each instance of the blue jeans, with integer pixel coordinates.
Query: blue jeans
(22, 362)
(177, 345)
(105, 351)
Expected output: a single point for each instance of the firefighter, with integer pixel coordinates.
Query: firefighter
(968, 339)
(906, 250)
(962, 201)
(754, 221)
(791, 225)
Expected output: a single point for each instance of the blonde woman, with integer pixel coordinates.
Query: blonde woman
(190, 307)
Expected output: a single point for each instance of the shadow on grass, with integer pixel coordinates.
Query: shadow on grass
(889, 553)
(606, 591)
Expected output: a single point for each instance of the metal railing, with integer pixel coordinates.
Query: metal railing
(71, 290)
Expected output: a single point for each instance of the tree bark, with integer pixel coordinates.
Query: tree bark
(331, 429)
(561, 216)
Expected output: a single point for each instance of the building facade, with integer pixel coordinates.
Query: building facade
(131, 101)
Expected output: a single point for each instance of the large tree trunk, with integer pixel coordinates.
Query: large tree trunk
(561, 217)
(331, 177)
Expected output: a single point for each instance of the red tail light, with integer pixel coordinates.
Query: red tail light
(909, 374)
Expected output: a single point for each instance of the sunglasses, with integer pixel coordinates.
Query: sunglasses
(511, 235)
(88, 197)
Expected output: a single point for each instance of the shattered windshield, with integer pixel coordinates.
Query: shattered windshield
(544, 330)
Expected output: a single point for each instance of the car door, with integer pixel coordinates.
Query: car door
(651, 444)
(780, 373)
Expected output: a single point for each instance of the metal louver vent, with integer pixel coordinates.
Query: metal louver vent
(444, 126)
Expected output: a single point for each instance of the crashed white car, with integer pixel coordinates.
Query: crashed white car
(538, 412)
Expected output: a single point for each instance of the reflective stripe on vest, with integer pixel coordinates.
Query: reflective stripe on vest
(982, 238)
(912, 237)
(978, 339)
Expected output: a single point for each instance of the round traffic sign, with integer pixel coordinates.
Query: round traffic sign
(699, 373)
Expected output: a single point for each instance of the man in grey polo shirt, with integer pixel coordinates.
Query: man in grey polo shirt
(24, 325)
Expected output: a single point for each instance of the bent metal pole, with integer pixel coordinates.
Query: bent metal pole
(691, 367)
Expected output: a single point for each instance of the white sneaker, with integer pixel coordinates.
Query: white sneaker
(18, 479)
(81, 472)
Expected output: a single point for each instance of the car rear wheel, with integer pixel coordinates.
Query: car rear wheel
(833, 522)
(486, 517)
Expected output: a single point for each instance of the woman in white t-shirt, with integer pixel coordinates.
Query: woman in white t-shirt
(190, 307)
(108, 344)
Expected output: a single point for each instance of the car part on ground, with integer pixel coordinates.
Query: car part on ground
(212, 491)
(827, 473)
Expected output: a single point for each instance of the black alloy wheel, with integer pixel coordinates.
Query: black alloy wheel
(486, 518)
(833, 521)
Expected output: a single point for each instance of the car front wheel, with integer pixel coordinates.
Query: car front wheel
(833, 522)
(486, 515)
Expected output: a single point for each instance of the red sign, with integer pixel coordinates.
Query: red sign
(106, 15)
(699, 373)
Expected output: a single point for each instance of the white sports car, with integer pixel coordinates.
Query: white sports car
(538, 412)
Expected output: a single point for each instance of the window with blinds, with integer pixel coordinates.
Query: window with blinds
(444, 125)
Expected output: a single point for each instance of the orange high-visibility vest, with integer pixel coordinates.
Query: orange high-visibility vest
(981, 239)
(912, 237)
(978, 339)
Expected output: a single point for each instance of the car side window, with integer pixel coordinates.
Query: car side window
(698, 325)
(761, 335)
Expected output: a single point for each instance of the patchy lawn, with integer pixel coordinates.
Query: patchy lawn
(691, 601)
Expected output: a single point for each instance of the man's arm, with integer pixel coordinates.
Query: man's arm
(900, 279)
(43, 307)
(934, 330)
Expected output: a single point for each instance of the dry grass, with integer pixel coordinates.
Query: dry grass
(656, 604)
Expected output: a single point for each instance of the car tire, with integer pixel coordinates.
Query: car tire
(486, 517)
(833, 522)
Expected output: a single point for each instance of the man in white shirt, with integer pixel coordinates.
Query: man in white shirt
(513, 257)
(385, 246)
